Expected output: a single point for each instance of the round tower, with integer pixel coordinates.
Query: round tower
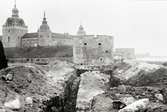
(13, 29)
(45, 34)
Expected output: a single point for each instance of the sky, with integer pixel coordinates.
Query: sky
(139, 24)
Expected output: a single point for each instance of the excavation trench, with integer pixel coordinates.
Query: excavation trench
(62, 90)
(67, 101)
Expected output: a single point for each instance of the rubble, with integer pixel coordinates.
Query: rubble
(138, 81)
(59, 87)
(102, 103)
(141, 74)
(139, 105)
(132, 95)
(13, 104)
(30, 88)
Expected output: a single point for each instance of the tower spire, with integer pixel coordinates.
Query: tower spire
(81, 31)
(15, 11)
(44, 19)
(44, 15)
(14, 3)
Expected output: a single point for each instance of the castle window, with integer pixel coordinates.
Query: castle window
(99, 44)
(85, 43)
(8, 39)
(101, 59)
(107, 51)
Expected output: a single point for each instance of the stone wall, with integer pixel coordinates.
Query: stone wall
(12, 35)
(47, 40)
(29, 42)
(126, 53)
(96, 50)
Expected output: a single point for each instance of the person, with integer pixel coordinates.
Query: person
(3, 60)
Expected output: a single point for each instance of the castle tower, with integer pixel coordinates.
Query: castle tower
(45, 34)
(13, 29)
(81, 31)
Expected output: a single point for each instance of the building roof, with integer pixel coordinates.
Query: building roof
(15, 20)
(30, 35)
(54, 35)
(44, 26)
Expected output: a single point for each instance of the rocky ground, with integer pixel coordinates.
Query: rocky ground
(33, 88)
(131, 87)
(142, 88)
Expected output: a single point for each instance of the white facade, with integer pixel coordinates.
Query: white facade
(13, 30)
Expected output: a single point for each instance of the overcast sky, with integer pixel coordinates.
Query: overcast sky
(141, 24)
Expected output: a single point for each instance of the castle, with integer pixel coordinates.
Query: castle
(87, 49)
(93, 50)
(15, 34)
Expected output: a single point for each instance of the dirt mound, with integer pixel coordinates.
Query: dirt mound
(154, 78)
(31, 88)
(141, 74)
(22, 79)
(106, 102)
(22, 82)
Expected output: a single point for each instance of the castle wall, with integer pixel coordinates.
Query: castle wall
(125, 53)
(12, 35)
(63, 41)
(44, 40)
(96, 50)
(29, 42)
